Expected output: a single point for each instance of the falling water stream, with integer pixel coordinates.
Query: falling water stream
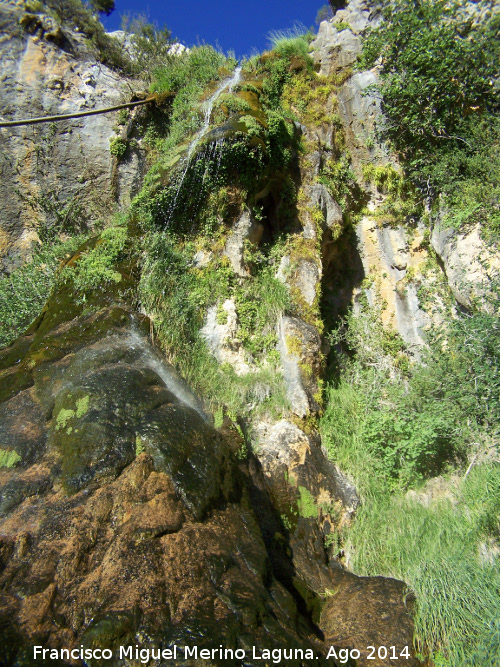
(227, 84)
(172, 382)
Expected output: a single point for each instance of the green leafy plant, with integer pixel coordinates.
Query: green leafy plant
(440, 102)
(118, 147)
(25, 290)
(98, 264)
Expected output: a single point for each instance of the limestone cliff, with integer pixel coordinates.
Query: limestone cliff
(163, 479)
(59, 177)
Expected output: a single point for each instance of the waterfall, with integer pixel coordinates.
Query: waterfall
(227, 84)
(172, 381)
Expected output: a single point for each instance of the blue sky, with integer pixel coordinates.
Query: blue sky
(239, 25)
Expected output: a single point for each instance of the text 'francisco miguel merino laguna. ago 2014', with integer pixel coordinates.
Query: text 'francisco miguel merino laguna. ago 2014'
(276, 655)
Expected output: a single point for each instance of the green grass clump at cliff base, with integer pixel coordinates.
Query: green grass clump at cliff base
(391, 431)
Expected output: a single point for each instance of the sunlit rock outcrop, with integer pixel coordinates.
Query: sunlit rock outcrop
(58, 177)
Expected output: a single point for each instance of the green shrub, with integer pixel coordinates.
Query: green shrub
(25, 290)
(258, 304)
(185, 78)
(98, 264)
(118, 147)
(413, 429)
(103, 6)
(275, 66)
(291, 43)
(151, 46)
(438, 67)
(339, 178)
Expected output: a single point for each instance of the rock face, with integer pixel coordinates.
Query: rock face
(335, 52)
(57, 177)
(389, 256)
(299, 345)
(246, 230)
(127, 519)
(389, 263)
(469, 264)
(380, 598)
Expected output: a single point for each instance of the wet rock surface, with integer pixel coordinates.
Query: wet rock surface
(367, 613)
(127, 519)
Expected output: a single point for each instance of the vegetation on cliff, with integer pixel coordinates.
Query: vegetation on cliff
(191, 196)
(76, 14)
(396, 427)
(421, 440)
(441, 99)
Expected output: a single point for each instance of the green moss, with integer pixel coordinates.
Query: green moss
(294, 345)
(63, 418)
(82, 406)
(313, 602)
(307, 504)
(139, 446)
(222, 315)
(118, 147)
(218, 417)
(8, 458)
(308, 95)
